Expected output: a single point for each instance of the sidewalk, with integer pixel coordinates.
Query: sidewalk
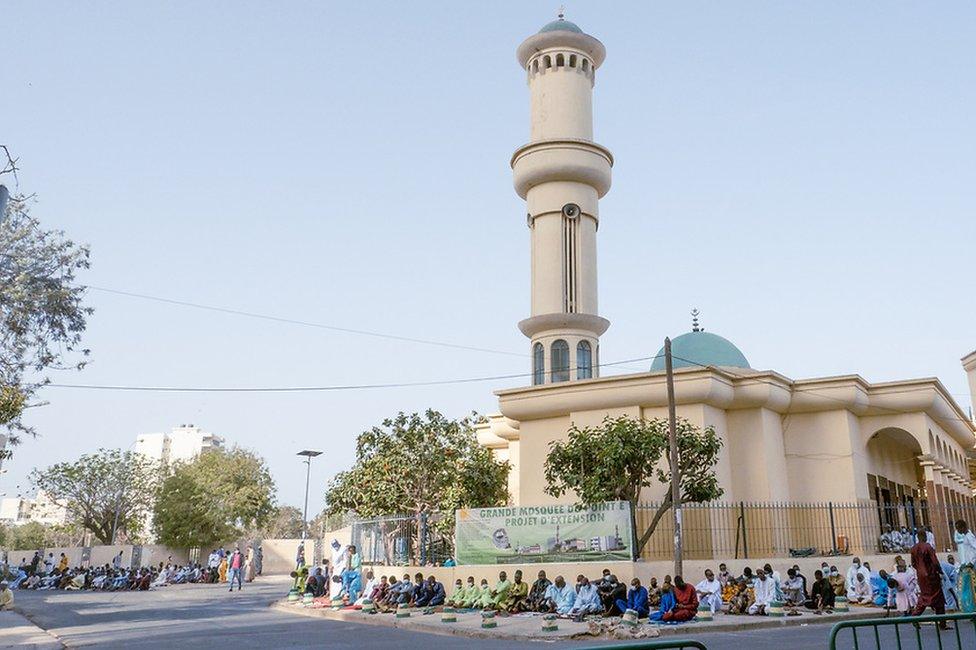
(18, 632)
(530, 627)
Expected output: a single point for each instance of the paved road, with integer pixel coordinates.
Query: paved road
(198, 616)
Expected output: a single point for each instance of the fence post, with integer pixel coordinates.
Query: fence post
(423, 539)
(745, 534)
(833, 529)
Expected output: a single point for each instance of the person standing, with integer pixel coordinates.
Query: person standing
(966, 579)
(300, 556)
(249, 565)
(929, 572)
(235, 568)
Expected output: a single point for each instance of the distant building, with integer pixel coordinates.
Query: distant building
(183, 443)
(40, 509)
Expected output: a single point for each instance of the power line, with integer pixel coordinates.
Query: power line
(309, 389)
(292, 321)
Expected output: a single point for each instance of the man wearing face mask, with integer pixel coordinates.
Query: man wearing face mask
(852, 573)
(636, 599)
(587, 600)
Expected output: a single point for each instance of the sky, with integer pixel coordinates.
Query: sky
(802, 173)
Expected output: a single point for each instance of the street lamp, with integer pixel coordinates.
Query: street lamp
(309, 454)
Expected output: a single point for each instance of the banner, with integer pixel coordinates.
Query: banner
(557, 533)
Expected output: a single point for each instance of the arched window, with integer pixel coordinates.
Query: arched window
(548, 61)
(535, 66)
(559, 360)
(584, 360)
(560, 61)
(538, 365)
(572, 60)
(586, 65)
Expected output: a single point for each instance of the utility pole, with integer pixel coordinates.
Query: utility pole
(673, 458)
(309, 454)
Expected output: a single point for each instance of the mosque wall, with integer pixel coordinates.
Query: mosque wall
(825, 457)
(755, 440)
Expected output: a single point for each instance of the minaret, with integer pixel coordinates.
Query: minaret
(562, 174)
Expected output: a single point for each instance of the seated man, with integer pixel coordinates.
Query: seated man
(636, 599)
(793, 595)
(421, 594)
(709, 592)
(483, 598)
(837, 581)
(741, 599)
(517, 594)
(611, 591)
(862, 591)
(367, 589)
(587, 600)
(653, 593)
(764, 591)
(500, 593)
(6, 596)
(686, 603)
(457, 596)
(559, 598)
(435, 591)
(404, 593)
(470, 596)
(538, 592)
(821, 594)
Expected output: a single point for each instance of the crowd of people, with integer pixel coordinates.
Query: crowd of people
(50, 572)
(909, 586)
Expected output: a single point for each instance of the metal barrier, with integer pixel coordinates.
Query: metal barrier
(658, 644)
(916, 632)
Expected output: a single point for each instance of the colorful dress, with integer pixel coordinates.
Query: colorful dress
(966, 579)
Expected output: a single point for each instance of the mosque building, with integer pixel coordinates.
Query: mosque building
(825, 439)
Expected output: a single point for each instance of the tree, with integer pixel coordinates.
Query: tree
(616, 460)
(111, 491)
(285, 522)
(214, 498)
(419, 465)
(42, 316)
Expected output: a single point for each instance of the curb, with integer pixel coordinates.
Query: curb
(664, 630)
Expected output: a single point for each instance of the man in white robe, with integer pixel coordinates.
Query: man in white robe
(852, 574)
(710, 592)
(765, 590)
(862, 594)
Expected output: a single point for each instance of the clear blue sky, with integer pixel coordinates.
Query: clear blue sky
(347, 164)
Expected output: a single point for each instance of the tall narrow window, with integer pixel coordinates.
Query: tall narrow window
(538, 365)
(559, 360)
(584, 360)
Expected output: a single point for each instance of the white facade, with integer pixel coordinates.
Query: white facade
(562, 174)
(183, 443)
(41, 509)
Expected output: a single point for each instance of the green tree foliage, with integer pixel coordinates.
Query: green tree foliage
(419, 464)
(42, 316)
(284, 523)
(616, 460)
(103, 488)
(214, 498)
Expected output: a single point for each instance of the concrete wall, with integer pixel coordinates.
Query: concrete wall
(694, 570)
(152, 554)
(278, 555)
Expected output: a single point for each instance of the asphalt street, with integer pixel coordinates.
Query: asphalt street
(197, 616)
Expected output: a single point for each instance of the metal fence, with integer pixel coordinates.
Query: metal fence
(768, 530)
(906, 631)
(400, 540)
(715, 530)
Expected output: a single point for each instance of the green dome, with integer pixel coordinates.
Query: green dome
(561, 25)
(699, 348)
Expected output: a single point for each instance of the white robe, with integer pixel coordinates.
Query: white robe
(765, 591)
(852, 579)
(965, 548)
(710, 594)
(862, 592)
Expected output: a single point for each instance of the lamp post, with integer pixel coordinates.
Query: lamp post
(309, 454)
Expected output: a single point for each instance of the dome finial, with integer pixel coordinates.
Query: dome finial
(694, 321)
(562, 12)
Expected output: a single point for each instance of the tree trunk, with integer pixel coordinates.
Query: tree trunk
(662, 509)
